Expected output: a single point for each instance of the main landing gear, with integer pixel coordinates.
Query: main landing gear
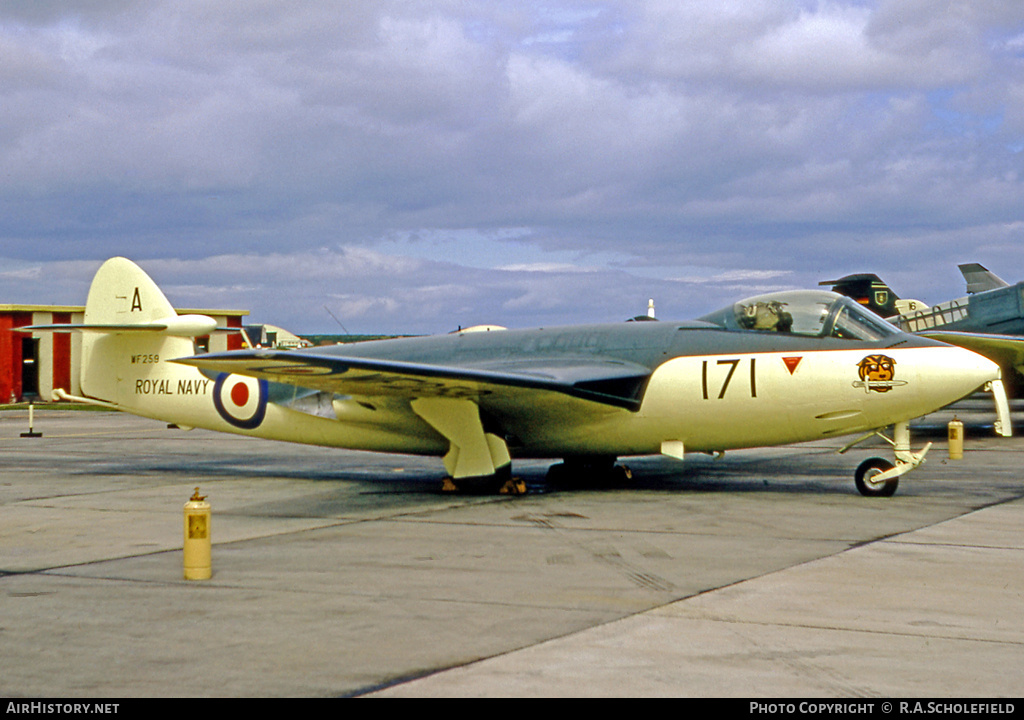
(877, 477)
(574, 472)
(478, 460)
(500, 483)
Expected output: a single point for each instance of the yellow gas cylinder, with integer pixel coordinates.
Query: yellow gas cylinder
(197, 538)
(956, 439)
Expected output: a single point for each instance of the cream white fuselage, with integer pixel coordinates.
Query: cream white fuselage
(720, 402)
(705, 402)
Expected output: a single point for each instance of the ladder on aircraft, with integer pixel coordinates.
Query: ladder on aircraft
(934, 317)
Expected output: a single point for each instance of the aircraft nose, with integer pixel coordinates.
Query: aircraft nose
(957, 372)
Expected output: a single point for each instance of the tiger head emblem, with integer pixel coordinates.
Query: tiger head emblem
(877, 372)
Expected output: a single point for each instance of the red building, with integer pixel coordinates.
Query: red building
(32, 365)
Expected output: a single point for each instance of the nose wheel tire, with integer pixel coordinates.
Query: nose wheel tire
(868, 486)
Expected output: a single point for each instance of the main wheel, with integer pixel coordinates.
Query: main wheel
(865, 482)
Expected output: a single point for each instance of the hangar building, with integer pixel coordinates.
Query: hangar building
(32, 365)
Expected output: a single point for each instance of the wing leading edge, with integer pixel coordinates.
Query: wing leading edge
(1005, 350)
(609, 382)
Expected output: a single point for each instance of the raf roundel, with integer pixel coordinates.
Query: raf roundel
(240, 400)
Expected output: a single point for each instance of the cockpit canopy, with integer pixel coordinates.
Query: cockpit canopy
(810, 313)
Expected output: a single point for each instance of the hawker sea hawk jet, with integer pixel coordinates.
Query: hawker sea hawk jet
(770, 370)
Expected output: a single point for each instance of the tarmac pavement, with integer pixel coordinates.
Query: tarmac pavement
(762, 574)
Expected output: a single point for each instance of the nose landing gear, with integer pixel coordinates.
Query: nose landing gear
(877, 477)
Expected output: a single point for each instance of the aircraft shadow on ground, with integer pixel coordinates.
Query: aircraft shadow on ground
(807, 470)
(743, 473)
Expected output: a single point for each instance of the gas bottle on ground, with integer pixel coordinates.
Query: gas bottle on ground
(197, 538)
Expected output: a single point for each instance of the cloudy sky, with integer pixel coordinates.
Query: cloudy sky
(415, 166)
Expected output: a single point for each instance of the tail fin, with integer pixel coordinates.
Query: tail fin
(129, 321)
(123, 295)
(980, 279)
(867, 289)
(130, 330)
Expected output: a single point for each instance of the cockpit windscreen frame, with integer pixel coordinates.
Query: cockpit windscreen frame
(807, 313)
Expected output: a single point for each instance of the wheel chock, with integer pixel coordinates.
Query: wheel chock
(515, 486)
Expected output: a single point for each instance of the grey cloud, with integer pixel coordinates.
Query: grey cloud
(684, 139)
